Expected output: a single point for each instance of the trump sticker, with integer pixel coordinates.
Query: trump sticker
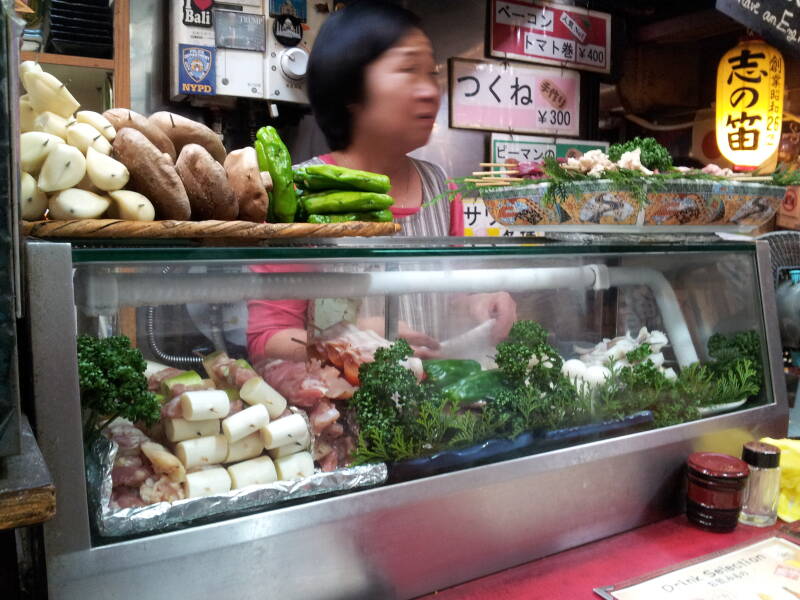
(197, 74)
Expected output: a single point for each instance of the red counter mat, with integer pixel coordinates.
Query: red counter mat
(573, 574)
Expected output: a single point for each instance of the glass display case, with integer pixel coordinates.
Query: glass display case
(547, 396)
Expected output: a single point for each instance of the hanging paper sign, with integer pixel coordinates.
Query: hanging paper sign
(197, 73)
(519, 98)
(551, 34)
(526, 148)
(749, 103)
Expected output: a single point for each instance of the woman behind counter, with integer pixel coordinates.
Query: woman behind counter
(372, 85)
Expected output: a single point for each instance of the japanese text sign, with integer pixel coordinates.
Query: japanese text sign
(551, 34)
(519, 98)
(749, 103)
(526, 148)
(479, 222)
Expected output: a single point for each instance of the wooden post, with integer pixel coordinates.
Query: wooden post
(122, 54)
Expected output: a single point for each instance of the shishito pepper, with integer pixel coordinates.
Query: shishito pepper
(327, 203)
(316, 178)
(274, 157)
(477, 386)
(375, 216)
(443, 372)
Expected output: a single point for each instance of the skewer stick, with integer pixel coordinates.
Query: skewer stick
(493, 173)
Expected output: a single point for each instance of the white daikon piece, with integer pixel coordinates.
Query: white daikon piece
(248, 447)
(34, 147)
(245, 422)
(51, 123)
(178, 430)
(63, 168)
(257, 391)
(153, 367)
(97, 121)
(106, 173)
(132, 206)
(207, 482)
(284, 431)
(77, 204)
(48, 93)
(199, 452)
(27, 114)
(257, 471)
(294, 466)
(28, 66)
(291, 448)
(657, 359)
(205, 404)
(32, 200)
(164, 461)
(83, 136)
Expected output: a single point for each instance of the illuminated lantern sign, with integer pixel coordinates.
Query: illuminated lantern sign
(749, 103)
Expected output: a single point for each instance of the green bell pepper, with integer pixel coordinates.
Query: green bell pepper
(317, 178)
(375, 216)
(443, 372)
(274, 157)
(326, 203)
(477, 386)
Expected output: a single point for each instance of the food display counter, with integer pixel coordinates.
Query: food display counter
(454, 511)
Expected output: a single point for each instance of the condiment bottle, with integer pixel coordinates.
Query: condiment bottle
(715, 491)
(760, 505)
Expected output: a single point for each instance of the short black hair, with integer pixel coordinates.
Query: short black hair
(349, 40)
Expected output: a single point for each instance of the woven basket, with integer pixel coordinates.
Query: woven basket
(228, 230)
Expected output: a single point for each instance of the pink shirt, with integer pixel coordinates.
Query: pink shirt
(268, 317)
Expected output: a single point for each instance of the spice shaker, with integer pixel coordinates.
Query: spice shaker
(760, 505)
(715, 491)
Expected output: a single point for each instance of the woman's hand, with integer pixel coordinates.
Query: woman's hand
(499, 306)
(424, 346)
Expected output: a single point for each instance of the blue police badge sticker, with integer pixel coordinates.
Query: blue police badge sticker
(197, 74)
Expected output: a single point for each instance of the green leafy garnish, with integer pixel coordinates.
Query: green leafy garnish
(654, 156)
(112, 382)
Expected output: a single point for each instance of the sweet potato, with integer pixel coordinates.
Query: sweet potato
(210, 194)
(182, 131)
(248, 186)
(152, 174)
(124, 117)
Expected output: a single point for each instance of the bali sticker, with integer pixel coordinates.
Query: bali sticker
(197, 76)
(198, 13)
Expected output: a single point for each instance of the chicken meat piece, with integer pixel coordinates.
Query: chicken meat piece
(160, 489)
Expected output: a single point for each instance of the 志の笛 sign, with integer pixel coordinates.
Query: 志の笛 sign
(516, 98)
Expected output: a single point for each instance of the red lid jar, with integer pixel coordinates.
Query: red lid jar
(716, 490)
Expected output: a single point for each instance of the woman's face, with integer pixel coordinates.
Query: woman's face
(401, 94)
